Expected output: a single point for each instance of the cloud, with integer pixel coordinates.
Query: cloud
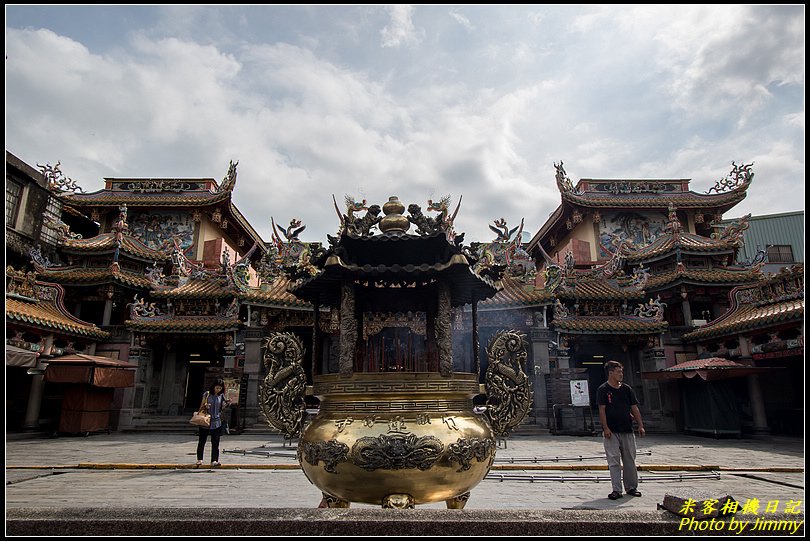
(462, 20)
(400, 31)
(484, 117)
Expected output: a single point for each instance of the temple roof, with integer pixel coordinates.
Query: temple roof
(47, 311)
(661, 280)
(775, 301)
(106, 243)
(384, 265)
(196, 289)
(516, 294)
(183, 324)
(622, 194)
(586, 286)
(93, 276)
(686, 243)
(114, 198)
(275, 293)
(609, 325)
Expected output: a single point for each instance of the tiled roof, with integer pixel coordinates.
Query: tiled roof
(517, 294)
(687, 242)
(275, 294)
(183, 324)
(712, 276)
(749, 317)
(197, 289)
(777, 300)
(43, 314)
(132, 199)
(704, 364)
(106, 243)
(591, 287)
(93, 276)
(608, 325)
(680, 200)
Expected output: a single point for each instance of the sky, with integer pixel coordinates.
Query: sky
(413, 101)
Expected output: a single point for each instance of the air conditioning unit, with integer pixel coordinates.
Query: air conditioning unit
(698, 322)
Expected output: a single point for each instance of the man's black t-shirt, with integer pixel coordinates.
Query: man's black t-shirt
(617, 404)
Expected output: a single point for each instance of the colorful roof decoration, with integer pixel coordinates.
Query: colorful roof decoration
(609, 325)
(107, 243)
(184, 324)
(168, 193)
(93, 276)
(516, 294)
(41, 305)
(654, 193)
(775, 301)
(643, 194)
(275, 293)
(698, 276)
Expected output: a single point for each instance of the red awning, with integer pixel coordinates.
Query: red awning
(20, 357)
(706, 369)
(90, 369)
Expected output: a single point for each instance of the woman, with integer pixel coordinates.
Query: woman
(214, 401)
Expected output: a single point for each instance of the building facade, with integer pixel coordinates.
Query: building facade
(176, 280)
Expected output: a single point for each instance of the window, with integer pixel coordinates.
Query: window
(780, 253)
(53, 210)
(13, 195)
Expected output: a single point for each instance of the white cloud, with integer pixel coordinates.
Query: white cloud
(462, 20)
(307, 121)
(400, 31)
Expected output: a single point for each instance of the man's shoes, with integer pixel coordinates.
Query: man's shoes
(634, 492)
(215, 464)
(616, 495)
(199, 463)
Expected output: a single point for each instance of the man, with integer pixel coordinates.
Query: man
(617, 402)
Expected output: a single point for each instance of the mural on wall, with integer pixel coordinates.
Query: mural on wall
(157, 229)
(638, 228)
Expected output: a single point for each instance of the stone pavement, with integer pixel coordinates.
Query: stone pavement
(155, 470)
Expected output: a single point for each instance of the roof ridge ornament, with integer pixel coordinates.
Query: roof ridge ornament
(229, 182)
(56, 179)
(563, 182)
(739, 177)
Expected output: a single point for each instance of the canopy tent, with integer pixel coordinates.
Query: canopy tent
(707, 369)
(91, 382)
(20, 357)
(710, 404)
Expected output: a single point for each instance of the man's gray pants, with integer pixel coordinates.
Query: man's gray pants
(621, 449)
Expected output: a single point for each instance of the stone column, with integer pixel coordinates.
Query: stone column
(539, 337)
(108, 306)
(35, 396)
(254, 336)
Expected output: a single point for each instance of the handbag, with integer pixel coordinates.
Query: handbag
(201, 417)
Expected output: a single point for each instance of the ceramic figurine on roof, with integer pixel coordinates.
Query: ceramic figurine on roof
(394, 295)
(294, 256)
(57, 180)
(505, 254)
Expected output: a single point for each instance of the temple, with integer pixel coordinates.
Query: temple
(168, 275)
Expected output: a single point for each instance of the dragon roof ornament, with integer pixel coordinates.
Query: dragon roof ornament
(505, 254)
(732, 233)
(229, 182)
(56, 179)
(739, 177)
(563, 182)
(290, 256)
